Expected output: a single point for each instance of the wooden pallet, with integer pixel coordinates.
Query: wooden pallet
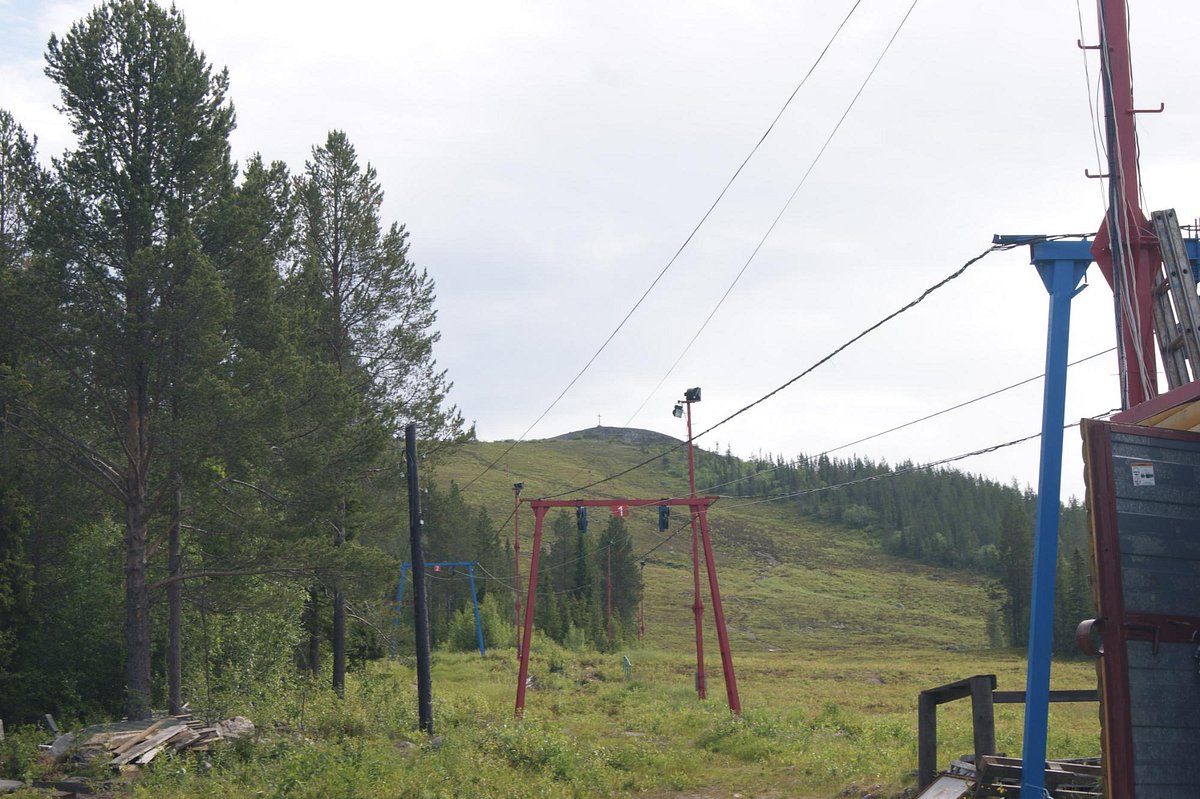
(1064, 779)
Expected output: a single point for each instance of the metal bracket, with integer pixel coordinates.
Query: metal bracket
(1088, 174)
(1079, 43)
(1154, 630)
(1087, 644)
(1161, 107)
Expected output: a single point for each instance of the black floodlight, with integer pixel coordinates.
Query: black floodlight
(664, 518)
(692, 395)
(517, 487)
(678, 412)
(581, 519)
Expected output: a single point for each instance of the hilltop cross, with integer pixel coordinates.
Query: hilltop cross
(598, 421)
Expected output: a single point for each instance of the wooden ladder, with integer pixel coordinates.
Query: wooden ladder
(1176, 304)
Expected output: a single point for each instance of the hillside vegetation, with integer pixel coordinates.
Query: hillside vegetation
(801, 573)
(832, 639)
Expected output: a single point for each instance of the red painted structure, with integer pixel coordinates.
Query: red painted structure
(697, 602)
(699, 510)
(1126, 248)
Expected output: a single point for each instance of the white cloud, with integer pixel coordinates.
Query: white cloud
(549, 158)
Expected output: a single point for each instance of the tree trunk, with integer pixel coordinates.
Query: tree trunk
(339, 642)
(312, 622)
(137, 603)
(175, 610)
(339, 612)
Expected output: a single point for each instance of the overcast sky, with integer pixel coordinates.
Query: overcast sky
(549, 158)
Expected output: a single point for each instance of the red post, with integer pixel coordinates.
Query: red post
(697, 602)
(1125, 248)
(531, 598)
(641, 628)
(731, 691)
(609, 581)
(698, 506)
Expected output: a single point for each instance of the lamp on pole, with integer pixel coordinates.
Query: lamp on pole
(685, 405)
(517, 558)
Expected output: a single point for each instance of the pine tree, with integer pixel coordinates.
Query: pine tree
(371, 316)
(138, 308)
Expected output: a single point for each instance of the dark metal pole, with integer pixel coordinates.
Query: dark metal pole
(420, 608)
(697, 603)
(517, 560)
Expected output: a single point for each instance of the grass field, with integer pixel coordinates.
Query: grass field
(832, 641)
(829, 724)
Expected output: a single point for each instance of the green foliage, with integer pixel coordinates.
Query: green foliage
(495, 621)
(242, 639)
(68, 658)
(18, 754)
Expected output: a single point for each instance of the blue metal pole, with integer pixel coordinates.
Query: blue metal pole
(399, 604)
(1061, 265)
(475, 604)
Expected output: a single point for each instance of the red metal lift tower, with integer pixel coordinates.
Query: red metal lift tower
(699, 510)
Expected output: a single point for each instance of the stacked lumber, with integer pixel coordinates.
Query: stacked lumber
(1064, 779)
(139, 747)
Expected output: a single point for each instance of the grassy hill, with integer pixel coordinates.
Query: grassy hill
(789, 583)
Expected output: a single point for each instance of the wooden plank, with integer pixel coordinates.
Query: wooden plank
(1169, 333)
(1057, 772)
(1178, 269)
(120, 750)
(983, 723)
(150, 755)
(1183, 417)
(1071, 695)
(161, 736)
(184, 740)
(927, 766)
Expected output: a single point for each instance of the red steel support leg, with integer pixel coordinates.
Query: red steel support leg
(698, 610)
(530, 598)
(731, 691)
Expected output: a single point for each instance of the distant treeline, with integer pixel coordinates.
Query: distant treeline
(944, 517)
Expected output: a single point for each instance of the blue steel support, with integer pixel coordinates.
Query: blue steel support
(475, 604)
(470, 564)
(1192, 247)
(404, 567)
(1061, 265)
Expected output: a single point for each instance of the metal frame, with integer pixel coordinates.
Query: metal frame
(699, 510)
(1113, 626)
(470, 566)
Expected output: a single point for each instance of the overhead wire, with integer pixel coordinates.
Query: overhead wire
(910, 423)
(771, 228)
(681, 248)
(907, 307)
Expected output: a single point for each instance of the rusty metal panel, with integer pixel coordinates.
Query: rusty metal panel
(1144, 502)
